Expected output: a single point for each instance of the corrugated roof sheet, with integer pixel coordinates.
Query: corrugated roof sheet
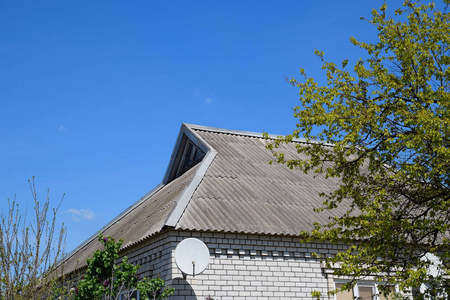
(241, 192)
(233, 189)
(138, 223)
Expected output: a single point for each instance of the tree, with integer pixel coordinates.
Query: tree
(105, 279)
(388, 120)
(29, 249)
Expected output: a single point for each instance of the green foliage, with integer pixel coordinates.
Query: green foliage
(154, 289)
(105, 279)
(316, 295)
(389, 121)
(29, 250)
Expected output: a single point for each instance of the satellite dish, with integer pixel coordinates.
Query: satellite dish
(192, 256)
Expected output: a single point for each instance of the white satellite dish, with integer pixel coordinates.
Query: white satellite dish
(192, 256)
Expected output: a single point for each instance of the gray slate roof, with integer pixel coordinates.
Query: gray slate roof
(232, 189)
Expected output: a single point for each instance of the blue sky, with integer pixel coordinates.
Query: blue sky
(93, 93)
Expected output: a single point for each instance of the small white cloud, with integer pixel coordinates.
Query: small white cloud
(208, 100)
(81, 214)
(62, 128)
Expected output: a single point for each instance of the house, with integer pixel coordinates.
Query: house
(220, 189)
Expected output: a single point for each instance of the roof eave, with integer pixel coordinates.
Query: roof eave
(109, 224)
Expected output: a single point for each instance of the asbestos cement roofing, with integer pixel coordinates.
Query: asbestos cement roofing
(232, 189)
(140, 221)
(242, 193)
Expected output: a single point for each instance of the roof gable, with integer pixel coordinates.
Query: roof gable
(187, 152)
(161, 207)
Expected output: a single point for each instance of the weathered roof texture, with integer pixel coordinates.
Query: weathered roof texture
(145, 218)
(242, 193)
(232, 189)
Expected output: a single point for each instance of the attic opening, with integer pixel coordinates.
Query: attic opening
(188, 155)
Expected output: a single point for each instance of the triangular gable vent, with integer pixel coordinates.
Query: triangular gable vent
(188, 152)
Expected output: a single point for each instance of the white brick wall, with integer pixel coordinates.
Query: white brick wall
(241, 267)
(252, 267)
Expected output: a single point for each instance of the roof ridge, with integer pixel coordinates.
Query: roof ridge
(250, 133)
(228, 131)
